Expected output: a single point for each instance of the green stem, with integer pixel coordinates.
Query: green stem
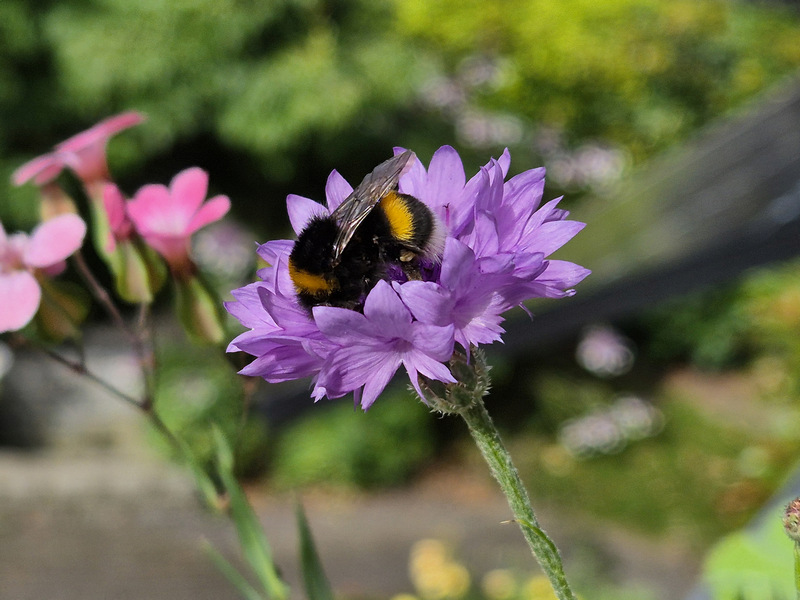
(797, 568)
(491, 446)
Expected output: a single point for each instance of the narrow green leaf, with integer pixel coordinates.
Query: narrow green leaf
(317, 585)
(251, 536)
(232, 574)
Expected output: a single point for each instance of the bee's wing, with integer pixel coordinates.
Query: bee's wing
(355, 208)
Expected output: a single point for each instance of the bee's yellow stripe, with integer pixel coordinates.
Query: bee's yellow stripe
(400, 219)
(308, 283)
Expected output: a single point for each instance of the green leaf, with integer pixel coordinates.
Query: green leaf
(753, 565)
(317, 585)
(251, 536)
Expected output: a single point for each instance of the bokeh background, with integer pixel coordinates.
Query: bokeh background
(653, 415)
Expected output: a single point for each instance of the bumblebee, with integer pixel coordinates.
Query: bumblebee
(375, 233)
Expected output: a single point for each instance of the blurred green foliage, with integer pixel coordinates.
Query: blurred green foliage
(707, 329)
(755, 320)
(334, 446)
(250, 89)
(637, 73)
(269, 96)
(198, 391)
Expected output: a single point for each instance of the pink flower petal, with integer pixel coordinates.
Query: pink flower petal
(101, 132)
(19, 296)
(54, 240)
(41, 169)
(87, 149)
(188, 190)
(213, 210)
(150, 211)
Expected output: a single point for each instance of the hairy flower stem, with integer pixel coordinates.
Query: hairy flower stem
(494, 452)
(465, 398)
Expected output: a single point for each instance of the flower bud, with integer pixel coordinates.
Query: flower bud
(55, 201)
(791, 520)
(199, 311)
(138, 271)
(472, 384)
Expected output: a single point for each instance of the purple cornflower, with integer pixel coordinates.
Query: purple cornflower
(497, 241)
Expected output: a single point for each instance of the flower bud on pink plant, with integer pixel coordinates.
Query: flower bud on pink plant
(24, 258)
(138, 271)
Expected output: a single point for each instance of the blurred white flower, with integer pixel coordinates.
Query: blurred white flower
(610, 429)
(605, 352)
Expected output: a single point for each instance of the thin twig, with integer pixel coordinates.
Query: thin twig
(80, 368)
(137, 338)
(102, 296)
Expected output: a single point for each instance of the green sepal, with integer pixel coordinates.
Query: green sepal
(138, 271)
(199, 311)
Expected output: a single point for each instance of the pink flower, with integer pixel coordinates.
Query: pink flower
(22, 256)
(84, 153)
(167, 218)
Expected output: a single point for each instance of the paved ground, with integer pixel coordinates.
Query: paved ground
(105, 527)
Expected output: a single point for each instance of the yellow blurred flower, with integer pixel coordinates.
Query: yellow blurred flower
(435, 574)
(538, 588)
(499, 584)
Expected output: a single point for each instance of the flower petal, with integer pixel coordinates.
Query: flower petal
(149, 210)
(301, 210)
(549, 237)
(19, 296)
(428, 301)
(336, 190)
(213, 210)
(433, 341)
(41, 169)
(446, 176)
(188, 190)
(563, 273)
(379, 375)
(386, 311)
(54, 240)
(102, 131)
